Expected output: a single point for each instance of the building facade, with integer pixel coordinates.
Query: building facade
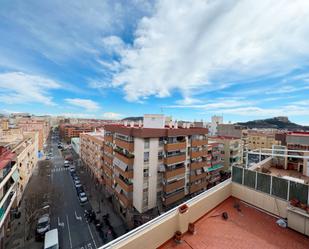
(232, 151)
(26, 159)
(91, 153)
(8, 189)
(261, 139)
(41, 126)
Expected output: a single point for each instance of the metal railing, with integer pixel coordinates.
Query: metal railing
(272, 185)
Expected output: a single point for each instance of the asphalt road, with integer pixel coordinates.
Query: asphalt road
(68, 214)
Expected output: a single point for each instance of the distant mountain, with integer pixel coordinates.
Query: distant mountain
(135, 119)
(275, 123)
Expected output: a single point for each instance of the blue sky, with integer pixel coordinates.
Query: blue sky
(189, 59)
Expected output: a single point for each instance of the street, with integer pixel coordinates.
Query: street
(68, 214)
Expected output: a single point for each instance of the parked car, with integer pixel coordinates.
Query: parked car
(75, 178)
(72, 169)
(43, 224)
(79, 190)
(77, 183)
(47, 158)
(82, 197)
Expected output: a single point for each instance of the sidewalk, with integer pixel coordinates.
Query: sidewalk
(22, 234)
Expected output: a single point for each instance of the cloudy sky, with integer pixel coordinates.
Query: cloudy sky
(190, 59)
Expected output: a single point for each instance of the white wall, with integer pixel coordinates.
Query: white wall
(153, 172)
(138, 173)
(154, 121)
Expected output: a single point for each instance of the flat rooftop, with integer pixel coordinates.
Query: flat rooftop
(247, 228)
(285, 172)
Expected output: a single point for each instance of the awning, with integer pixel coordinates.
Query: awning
(15, 176)
(120, 164)
(205, 169)
(214, 167)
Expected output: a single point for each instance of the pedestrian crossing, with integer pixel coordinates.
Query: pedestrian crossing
(54, 170)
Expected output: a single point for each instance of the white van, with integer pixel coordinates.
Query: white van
(51, 239)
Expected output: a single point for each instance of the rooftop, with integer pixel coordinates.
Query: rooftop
(247, 228)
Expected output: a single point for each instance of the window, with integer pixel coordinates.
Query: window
(146, 157)
(146, 144)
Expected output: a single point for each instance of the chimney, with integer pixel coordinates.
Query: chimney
(140, 123)
(125, 123)
(176, 125)
(170, 124)
(132, 124)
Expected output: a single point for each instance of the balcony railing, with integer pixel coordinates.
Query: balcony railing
(202, 142)
(7, 176)
(6, 206)
(173, 159)
(195, 154)
(108, 138)
(126, 158)
(175, 146)
(124, 185)
(174, 172)
(126, 174)
(197, 187)
(198, 165)
(123, 199)
(168, 187)
(174, 197)
(129, 146)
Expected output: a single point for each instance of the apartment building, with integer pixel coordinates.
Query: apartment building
(261, 139)
(232, 150)
(41, 126)
(8, 189)
(26, 152)
(91, 153)
(68, 131)
(152, 165)
(10, 134)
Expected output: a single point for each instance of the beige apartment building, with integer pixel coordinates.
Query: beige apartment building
(232, 150)
(261, 139)
(26, 153)
(91, 153)
(41, 126)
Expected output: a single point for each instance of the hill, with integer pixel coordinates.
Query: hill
(276, 123)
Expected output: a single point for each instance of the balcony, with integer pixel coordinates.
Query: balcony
(108, 159)
(125, 186)
(127, 159)
(197, 177)
(198, 165)
(108, 138)
(174, 172)
(175, 146)
(195, 154)
(107, 170)
(6, 205)
(108, 182)
(129, 146)
(108, 149)
(197, 187)
(196, 143)
(7, 174)
(126, 174)
(169, 187)
(175, 159)
(125, 201)
(172, 198)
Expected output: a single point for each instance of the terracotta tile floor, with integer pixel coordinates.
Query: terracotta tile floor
(247, 229)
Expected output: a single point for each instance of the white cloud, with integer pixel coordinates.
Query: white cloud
(112, 115)
(202, 44)
(18, 87)
(87, 104)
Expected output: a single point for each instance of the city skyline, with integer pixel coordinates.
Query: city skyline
(190, 60)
